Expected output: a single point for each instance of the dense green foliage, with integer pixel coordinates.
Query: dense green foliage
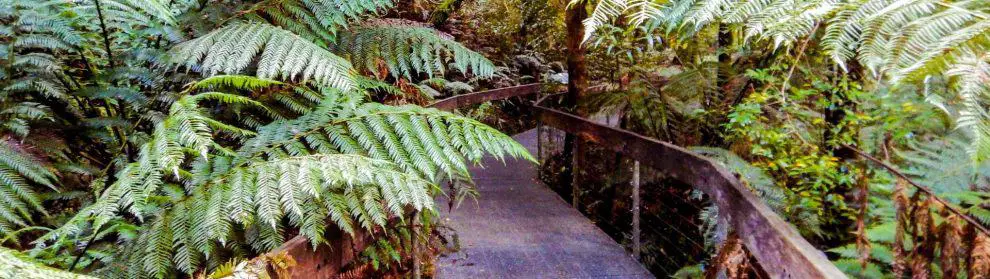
(787, 86)
(163, 139)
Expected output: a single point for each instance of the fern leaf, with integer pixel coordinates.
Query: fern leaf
(409, 50)
(284, 55)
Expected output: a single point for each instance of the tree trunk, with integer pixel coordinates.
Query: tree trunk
(577, 84)
(576, 69)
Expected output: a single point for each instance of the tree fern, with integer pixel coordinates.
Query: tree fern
(973, 75)
(275, 138)
(120, 13)
(645, 110)
(233, 81)
(30, 41)
(290, 172)
(352, 190)
(943, 166)
(15, 118)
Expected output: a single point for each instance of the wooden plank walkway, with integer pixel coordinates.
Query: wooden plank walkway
(522, 229)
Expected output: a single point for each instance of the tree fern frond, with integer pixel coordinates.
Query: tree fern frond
(906, 39)
(19, 177)
(316, 19)
(271, 190)
(15, 265)
(283, 55)
(605, 13)
(234, 81)
(128, 12)
(417, 139)
(973, 76)
(944, 165)
(409, 50)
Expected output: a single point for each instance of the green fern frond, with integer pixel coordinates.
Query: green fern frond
(351, 189)
(408, 49)
(19, 177)
(853, 266)
(234, 81)
(373, 85)
(424, 141)
(905, 39)
(15, 265)
(973, 74)
(283, 55)
(319, 20)
(944, 165)
(124, 13)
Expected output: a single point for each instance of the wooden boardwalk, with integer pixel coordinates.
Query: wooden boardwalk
(522, 229)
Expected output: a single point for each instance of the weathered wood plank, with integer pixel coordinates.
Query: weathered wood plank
(777, 246)
(519, 228)
(326, 260)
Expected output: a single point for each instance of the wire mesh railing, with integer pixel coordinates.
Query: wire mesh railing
(771, 241)
(657, 219)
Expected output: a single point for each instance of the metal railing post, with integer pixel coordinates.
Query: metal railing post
(635, 210)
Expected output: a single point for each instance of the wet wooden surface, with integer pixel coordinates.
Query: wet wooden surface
(521, 229)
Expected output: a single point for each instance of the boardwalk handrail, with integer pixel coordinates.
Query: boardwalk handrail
(777, 246)
(488, 95)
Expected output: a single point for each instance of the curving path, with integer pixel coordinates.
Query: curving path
(522, 229)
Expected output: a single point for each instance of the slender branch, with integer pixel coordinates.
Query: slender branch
(927, 190)
(797, 60)
(83, 252)
(106, 35)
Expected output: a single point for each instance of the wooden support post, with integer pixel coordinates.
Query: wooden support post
(635, 210)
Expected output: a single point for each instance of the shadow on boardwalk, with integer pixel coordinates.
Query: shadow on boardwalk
(522, 229)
